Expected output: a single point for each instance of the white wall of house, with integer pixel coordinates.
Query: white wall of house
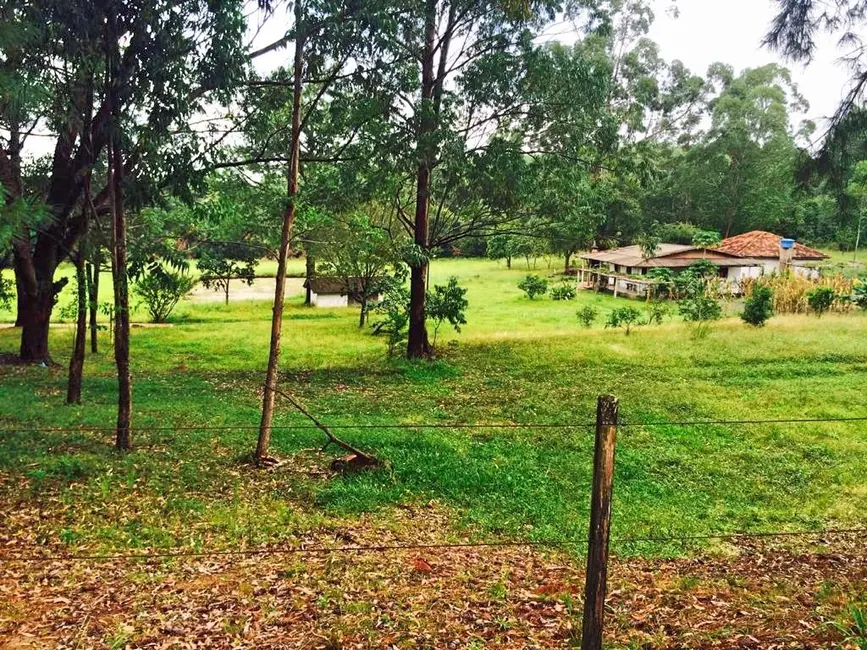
(328, 300)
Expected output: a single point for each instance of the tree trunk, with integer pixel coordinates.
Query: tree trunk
(509, 262)
(568, 256)
(76, 362)
(19, 303)
(35, 311)
(310, 273)
(417, 343)
(228, 279)
(118, 258)
(93, 291)
(264, 441)
(363, 316)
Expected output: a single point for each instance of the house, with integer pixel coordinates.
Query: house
(773, 253)
(621, 270)
(335, 292)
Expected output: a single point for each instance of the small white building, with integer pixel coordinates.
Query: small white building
(336, 292)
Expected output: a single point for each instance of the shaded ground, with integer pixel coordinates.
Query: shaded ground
(758, 595)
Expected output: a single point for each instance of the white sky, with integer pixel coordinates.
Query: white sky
(731, 31)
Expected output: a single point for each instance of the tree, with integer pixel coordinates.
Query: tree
(759, 307)
(624, 317)
(447, 303)
(857, 189)
(362, 254)
(172, 58)
(700, 311)
(587, 315)
(221, 262)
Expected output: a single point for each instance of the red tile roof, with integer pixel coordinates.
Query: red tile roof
(765, 244)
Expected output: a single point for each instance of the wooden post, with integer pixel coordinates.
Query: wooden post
(600, 523)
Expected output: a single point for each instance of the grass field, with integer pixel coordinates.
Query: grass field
(516, 361)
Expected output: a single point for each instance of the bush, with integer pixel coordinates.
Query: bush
(533, 286)
(587, 315)
(624, 317)
(860, 294)
(821, 299)
(656, 312)
(447, 303)
(394, 309)
(563, 291)
(700, 311)
(161, 292)
(759, 307)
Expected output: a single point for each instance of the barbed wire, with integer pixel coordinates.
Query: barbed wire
(318, 550)
(438, 425)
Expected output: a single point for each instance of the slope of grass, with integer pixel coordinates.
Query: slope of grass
(517, 361)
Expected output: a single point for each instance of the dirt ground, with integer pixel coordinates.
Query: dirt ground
(752, 595)
(261, 289)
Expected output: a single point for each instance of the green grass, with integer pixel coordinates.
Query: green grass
(516, 361)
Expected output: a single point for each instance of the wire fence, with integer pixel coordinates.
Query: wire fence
(16, 555)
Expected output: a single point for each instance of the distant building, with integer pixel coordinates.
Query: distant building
(621, 270)
(335, 292)
(773, 253)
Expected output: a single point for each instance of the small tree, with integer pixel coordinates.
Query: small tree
(821, 299)
(394, 312)
(759, 307)
(700, 311)
(706, 238)
(447, 303)
(649, 244)
(624, 317)
(222, 262)
(533, 286)
(587, 315)
(161, 292)
(663, 280)
(500, 247)
(656, 312)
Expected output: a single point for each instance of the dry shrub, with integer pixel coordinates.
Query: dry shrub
(790, 291)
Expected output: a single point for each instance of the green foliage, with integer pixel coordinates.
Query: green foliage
(821, 299)
(565, 290)
(222, 262)
(664, 279)
(657, 310)
(692, 282)
(7, 293)
(161, 292)
(393, 310)
(447, 303)
(706, 238)
(759, 307)
(587, 315)
(624, 317)
(854, 628)
(677, 233)
(860, 293)
(533, 286)
(700, 311)
(649, 244)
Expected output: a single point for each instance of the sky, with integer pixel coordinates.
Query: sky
(731, 31)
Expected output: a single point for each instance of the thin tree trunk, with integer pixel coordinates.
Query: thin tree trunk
(568, 260)
(310, 273)
(118, 259)
(76, 362)
(264, 442)
(93, 289)
(417, 341)
(228, 279)
(509, 262)
(363, 316)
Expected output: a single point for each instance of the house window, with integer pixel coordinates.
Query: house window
(628, 270)
(724, 272)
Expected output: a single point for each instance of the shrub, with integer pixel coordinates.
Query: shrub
(394, 309)
(759, 307)
(533, 286)
(821, 299)
(587, 315)
(860, 294)
(700, 311)
(563, 291)
(161, 292)
(447, 303)
(656, 312)
(624, 317)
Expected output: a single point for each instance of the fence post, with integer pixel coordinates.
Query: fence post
(600, 523)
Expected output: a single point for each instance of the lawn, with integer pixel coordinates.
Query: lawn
(516, 362)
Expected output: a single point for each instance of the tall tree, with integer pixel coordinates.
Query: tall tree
(174, 55)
